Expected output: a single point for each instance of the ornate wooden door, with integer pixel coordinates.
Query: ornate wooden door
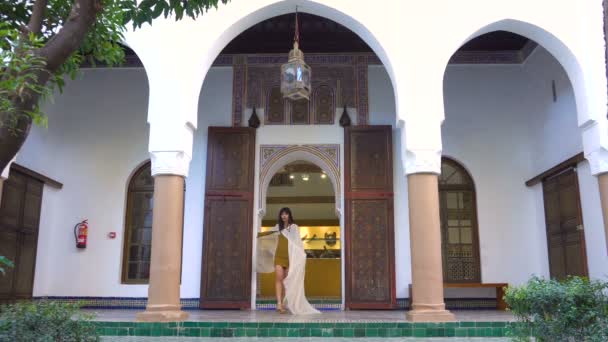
(369, 232)
(19, 219)
(227, 228)
(565, 234)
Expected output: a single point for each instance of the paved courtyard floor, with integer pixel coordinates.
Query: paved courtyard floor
(325, 317)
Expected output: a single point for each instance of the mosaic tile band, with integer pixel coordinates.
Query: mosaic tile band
(269, 329)
(263, 304)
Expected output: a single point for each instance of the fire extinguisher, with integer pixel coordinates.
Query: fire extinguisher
(80, 234)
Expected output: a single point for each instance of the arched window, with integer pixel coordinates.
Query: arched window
(459, 233)
(138, 227)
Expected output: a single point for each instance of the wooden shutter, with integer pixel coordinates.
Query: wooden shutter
(227, 228)
(19, 222)
(369, 232)
(564, 221)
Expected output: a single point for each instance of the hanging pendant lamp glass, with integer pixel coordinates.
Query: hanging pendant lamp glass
(295, 74)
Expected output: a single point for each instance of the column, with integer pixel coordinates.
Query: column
(595, 143)
(422, 147)
(4, 176)
(169, 170)
(603, 183)
(172, 116)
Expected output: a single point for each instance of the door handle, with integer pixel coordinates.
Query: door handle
(579, 227)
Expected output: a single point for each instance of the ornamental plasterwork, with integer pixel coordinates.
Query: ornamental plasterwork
(272, 157)
(329, 151)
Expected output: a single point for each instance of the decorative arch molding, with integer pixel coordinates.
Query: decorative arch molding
(274, 157)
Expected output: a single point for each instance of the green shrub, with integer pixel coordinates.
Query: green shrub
(575, 309)
(45, 321)
(5, 262)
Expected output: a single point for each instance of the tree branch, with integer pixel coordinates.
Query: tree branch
(35, 24)
(69, 38)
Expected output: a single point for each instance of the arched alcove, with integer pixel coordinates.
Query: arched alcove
(316, 155)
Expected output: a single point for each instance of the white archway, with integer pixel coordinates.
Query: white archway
(190, 62)
(557, 48)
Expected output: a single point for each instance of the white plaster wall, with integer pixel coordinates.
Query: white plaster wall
(214, 109)
(552, 125)
(382, 112)
(555, 137)
(97, 135)
(485, 130)
(503, 125)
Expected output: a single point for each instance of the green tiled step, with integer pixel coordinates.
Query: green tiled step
(240, 329)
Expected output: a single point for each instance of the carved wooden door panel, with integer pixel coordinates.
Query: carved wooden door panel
(564, 221)
(369, 232)
(19, 220)
(227, 228)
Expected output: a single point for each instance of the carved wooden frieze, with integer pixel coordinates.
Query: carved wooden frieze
(239, 74)
(324, 104)
(274, 112)
(337, 81)
(300, 112)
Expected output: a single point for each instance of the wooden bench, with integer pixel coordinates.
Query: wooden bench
(500, 292)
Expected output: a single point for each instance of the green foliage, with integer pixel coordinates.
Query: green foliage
(575, 309)
(45, 321)
(20, 59)
(5, 262)
(20, 67)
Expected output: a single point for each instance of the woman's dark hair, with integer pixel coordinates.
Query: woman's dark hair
(280, 221)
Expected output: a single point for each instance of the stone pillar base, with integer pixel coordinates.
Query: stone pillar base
(430, 316)
(162, 316)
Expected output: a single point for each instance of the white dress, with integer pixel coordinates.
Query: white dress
(295, 299)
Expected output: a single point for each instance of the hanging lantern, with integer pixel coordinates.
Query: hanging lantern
(295, 74)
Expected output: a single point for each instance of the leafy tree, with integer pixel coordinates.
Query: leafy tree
(43, 41)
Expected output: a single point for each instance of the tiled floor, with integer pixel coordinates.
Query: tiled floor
(296, 339)
(327, 316)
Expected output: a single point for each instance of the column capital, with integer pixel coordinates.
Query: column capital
(598, 161)
(170, 147)
(5, 173)
(595, 145)
(421, 146)
(423, 161)
(170, 163)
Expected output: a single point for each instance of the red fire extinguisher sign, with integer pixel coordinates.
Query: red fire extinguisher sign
(81, 231)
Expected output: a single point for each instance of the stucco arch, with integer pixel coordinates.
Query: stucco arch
(299, 153)
(191, 60)
(556, 47)
(241, 20)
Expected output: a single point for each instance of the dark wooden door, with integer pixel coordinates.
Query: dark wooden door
(227, 228)
(19, 219)
(369, 232)
(565, 235)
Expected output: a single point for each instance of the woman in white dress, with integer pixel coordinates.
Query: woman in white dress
(281, 250)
